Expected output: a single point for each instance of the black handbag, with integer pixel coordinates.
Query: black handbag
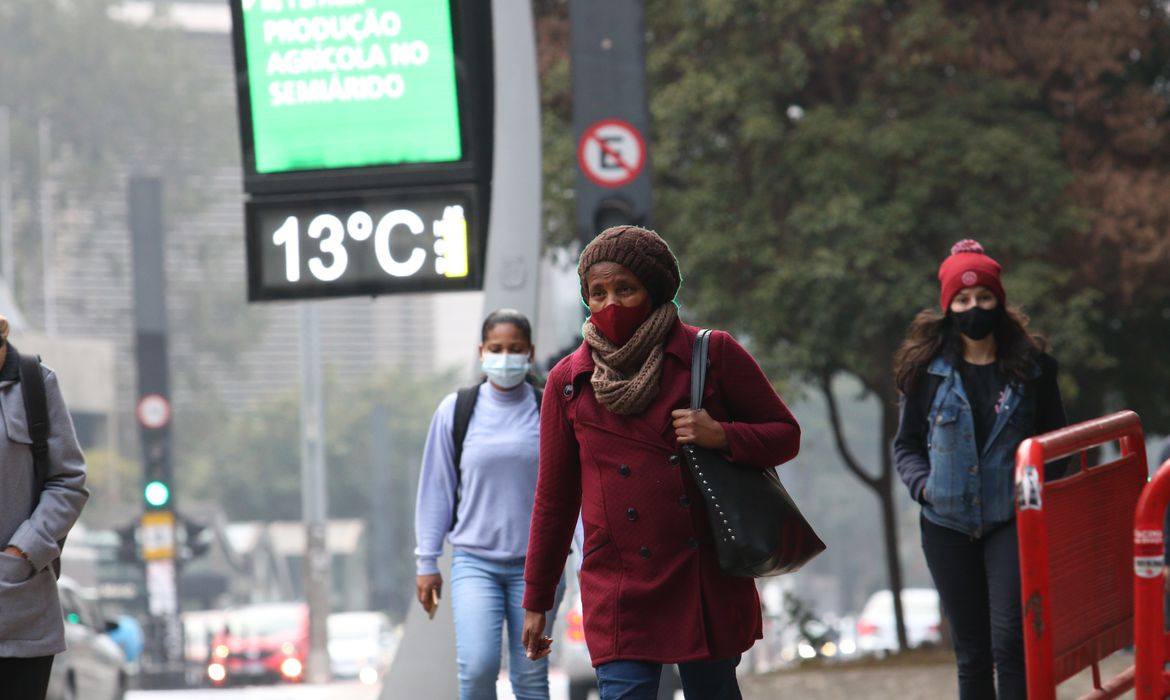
(758, 529)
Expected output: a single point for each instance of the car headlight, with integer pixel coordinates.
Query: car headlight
(291, 668)
(368, 675)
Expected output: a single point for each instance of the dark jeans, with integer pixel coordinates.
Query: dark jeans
(638, 680)
(25, 679)
(978, 581)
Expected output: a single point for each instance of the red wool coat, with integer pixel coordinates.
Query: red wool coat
(651, 587)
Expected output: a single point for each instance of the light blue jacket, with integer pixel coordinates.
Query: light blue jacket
(967, 489)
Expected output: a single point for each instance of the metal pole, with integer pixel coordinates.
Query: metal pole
(7, 245)
(316, 569)
(513, 248)
(48, 239)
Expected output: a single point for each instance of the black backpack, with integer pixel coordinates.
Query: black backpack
(36, 411)
(465, 400)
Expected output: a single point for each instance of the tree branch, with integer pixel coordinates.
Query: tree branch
(839, 435)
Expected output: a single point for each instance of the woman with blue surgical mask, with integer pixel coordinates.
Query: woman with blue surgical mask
(476, 490)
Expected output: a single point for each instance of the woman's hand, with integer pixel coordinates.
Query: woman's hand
(698, 427)
(536, 644)
(426, 584)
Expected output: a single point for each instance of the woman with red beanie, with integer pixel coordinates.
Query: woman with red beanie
(975, 383)
(614, 415)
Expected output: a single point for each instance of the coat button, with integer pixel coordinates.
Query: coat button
(693, 543)
(684, 501)
(624, 470)
(631, 514)
(568, 390)
(644, 552)
(673, 460)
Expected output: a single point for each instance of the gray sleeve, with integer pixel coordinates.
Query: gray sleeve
(64, 494)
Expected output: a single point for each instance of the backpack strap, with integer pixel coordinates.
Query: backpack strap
(465, 400)
(36, 411)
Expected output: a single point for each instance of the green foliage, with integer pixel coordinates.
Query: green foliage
(114, 485)
(115, 93)
(821, 173)
(253, 466)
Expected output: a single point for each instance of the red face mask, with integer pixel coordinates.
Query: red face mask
(618, 323)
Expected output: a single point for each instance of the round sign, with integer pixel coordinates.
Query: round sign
(154, 411)
(612, 153)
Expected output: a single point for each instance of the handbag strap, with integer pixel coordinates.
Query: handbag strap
(699, 367)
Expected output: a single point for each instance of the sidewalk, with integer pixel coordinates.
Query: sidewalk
(923, 678)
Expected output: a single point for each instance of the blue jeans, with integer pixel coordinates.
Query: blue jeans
(978, 582)
(485, 595)
(638, 680)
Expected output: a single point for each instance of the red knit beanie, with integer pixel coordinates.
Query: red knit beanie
(968, 266)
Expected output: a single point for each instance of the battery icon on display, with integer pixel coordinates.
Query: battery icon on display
(451, 246)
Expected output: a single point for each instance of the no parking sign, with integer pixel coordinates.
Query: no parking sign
(611, 153)
(154, 411)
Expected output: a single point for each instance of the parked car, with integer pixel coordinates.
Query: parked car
(199, 628)
(875, 627)
(361, 645)
(93, 666)
(266, 642)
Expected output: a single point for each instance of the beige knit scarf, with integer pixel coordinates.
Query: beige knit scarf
(626, 379)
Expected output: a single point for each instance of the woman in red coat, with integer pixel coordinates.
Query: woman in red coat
(613, 417)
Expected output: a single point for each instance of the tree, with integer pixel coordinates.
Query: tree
(820, 157)
(115, 98)
(1102, 71)
(111, 97)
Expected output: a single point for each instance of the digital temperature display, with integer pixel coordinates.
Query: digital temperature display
(348, 244)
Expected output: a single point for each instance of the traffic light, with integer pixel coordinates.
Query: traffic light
(615, 211)
(197, 538)
(157, 494)
(156, 490)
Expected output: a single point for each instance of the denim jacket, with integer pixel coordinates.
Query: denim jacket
(969, 490)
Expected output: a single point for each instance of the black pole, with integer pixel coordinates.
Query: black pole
(153, 411)
(611, 117)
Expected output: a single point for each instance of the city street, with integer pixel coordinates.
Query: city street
(347, 690)
(922, 678)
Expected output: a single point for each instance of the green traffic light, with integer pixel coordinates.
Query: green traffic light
(157, 494)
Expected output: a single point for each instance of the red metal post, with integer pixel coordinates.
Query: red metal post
(1150, 655)
(1033, 538)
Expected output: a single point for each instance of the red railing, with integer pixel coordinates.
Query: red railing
(1152, 643)
(1076, 546)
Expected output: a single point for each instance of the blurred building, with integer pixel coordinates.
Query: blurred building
(222, 350)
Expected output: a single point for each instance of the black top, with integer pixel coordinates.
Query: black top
(910, 453)
(984, 385)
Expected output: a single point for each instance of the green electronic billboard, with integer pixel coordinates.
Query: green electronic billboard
(350, 83)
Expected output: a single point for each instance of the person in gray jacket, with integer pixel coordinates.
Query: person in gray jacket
(34, 517)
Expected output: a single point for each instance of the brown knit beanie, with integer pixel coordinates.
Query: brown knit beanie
(640, 251)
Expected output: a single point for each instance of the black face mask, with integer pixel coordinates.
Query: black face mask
(977, 323)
